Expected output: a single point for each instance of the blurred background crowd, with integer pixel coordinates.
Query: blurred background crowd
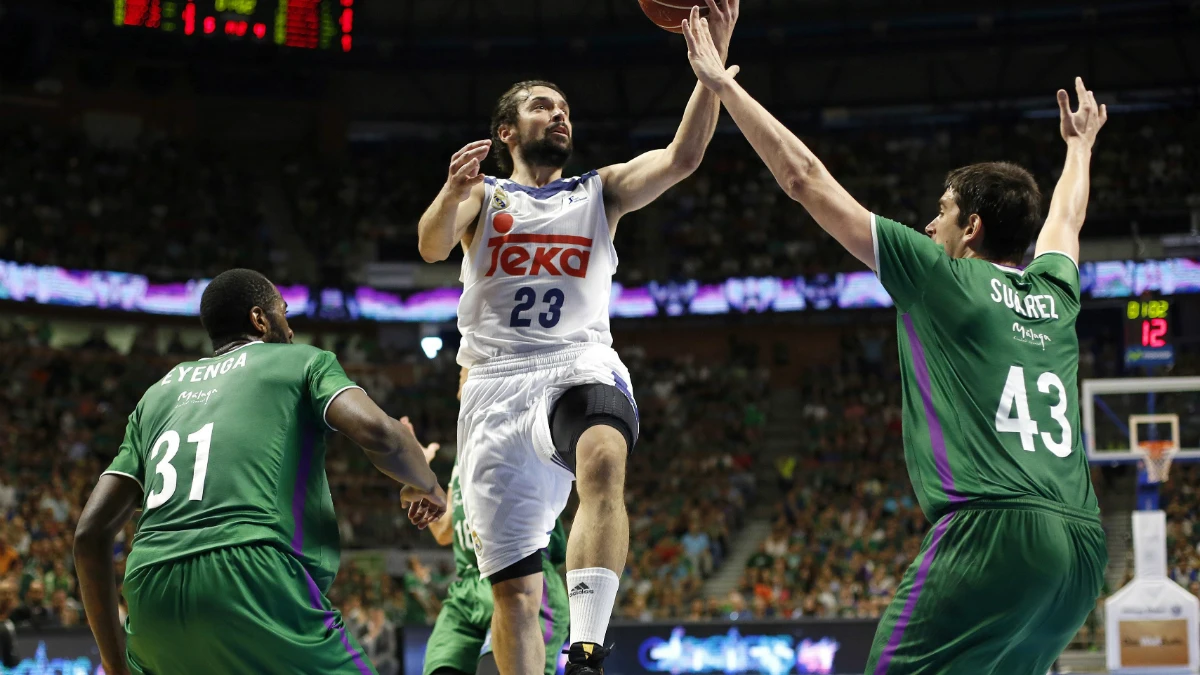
(769, 478)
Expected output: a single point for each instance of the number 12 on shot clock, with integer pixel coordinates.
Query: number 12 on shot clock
(1148, 333)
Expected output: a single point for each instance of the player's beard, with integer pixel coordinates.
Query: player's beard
(545, 151)
(277, 334)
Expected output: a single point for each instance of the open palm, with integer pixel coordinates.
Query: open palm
(1085, 123)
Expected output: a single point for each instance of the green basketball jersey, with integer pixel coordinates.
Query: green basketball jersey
(989, 364)
(465, 563)
(230, 450)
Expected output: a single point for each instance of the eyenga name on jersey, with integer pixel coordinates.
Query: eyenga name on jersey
(201, 373)
(1028, 306)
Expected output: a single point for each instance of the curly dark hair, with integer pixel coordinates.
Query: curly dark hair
(226, 303)
(506, 112)
(1007, 200)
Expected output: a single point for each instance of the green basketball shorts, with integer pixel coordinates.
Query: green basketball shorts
(994, 590)
(246, 609)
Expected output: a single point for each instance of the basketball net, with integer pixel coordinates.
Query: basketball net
(1158, 456)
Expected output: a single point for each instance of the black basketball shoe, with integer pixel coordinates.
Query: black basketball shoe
(586, 658)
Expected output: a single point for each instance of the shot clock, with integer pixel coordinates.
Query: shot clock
(1148, 333)
(301, 24)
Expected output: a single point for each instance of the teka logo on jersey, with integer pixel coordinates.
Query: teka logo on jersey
(531, 255)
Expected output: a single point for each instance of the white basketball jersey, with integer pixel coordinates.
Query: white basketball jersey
(539, 270)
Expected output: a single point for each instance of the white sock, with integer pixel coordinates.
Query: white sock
(592, 592)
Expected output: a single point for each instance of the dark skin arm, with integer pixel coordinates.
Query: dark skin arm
(393, 449)
(108, 509)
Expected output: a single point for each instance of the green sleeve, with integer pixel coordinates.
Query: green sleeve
(904, 260)
(130, 459)
(325, 379)
(1060, 272)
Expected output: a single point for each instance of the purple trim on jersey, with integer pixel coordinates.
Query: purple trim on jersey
(547, 612)
(940, 458)
(885, 657)
(548, 190)
(300, 492)
(316, 600)
(623, 387)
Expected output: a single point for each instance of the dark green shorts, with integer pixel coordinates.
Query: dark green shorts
(461, 634)
(994, 590)
(247, 609)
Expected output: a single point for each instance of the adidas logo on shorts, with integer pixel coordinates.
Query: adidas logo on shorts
(580, 589)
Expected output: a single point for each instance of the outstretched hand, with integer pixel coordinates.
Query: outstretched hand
(464, 171)
(424, 507)
(1085, 123)
(429, 450)
(703, 54)
(722, 15)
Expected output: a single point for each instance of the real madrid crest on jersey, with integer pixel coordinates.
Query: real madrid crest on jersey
(499, 199)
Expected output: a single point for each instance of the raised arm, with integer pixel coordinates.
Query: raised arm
(634, 184)
(801, 175)
(448, 219)
(1068, 206)
(108, 509)
(393, 449)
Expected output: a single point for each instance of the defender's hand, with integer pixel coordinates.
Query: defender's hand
(429, 450)
(423, 507)
(722, 15)
(703, 54)
(464, 169)
(1083, 124)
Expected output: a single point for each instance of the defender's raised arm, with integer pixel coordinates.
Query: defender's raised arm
(801, 175)
(1068, 206)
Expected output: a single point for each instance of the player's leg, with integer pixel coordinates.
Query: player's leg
(458, 635)
(517, 594)
(512, 494)
(555, 617)
(594, 426)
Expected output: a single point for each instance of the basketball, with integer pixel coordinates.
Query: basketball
(669, 14)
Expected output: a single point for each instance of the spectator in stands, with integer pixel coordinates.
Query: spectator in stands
(33, 611)
(698, 548)
(8, 630)
(379, 641)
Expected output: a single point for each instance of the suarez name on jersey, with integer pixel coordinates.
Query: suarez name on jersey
(539, 270)
(989, 366)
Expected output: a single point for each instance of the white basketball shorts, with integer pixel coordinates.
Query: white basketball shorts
(514, 484)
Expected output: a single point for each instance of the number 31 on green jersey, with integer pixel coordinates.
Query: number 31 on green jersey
(170, 440)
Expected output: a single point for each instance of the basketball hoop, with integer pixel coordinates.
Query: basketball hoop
(1158, 456)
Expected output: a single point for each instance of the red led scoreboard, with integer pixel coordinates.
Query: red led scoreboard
(304, 24)
(1148, 333)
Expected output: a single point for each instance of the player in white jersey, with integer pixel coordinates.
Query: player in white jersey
(547, 400)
